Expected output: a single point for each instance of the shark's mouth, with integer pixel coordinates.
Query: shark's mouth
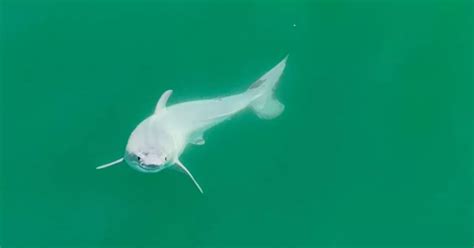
(136, 163)
(150, 167)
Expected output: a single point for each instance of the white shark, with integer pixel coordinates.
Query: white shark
(159, 140)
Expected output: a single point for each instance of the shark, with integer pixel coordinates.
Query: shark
(158, 141)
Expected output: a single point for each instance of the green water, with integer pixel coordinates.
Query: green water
(374, 149)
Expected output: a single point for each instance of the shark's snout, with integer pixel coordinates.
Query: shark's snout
(145, 163)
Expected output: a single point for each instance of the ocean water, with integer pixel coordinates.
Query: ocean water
(374, 149)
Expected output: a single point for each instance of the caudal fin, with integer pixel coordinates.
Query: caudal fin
(266, 106)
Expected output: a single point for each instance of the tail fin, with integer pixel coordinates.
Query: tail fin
(266, 106)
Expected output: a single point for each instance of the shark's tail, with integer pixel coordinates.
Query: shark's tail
(266, 106)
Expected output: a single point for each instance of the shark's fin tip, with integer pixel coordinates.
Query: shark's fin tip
(181, 165)
(161, 104)
(109, 164)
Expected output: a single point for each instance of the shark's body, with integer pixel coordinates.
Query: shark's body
(159, 140)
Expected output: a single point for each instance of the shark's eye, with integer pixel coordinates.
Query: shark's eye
(139, 158)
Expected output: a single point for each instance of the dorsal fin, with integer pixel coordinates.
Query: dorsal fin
(161, 104)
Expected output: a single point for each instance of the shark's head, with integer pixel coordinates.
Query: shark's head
(146, 162)
(149, 149)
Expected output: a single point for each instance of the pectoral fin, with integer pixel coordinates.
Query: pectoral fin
(110, 164)
(182, 167)
(197, 140)
(161, 104)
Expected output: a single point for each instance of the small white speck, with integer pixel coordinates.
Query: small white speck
(294, 25)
